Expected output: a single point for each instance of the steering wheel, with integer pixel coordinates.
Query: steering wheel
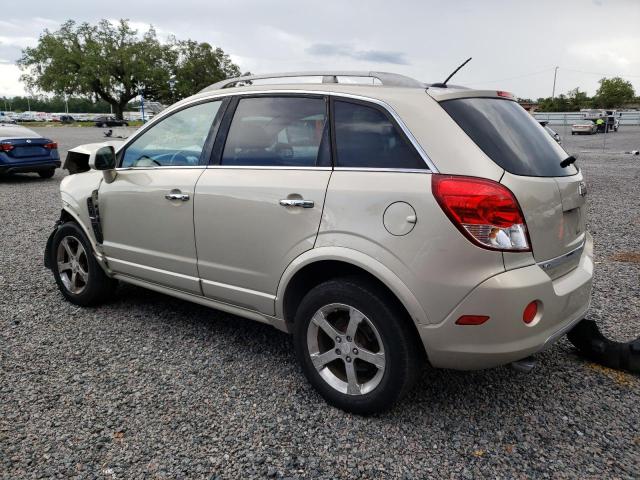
(178, 153)
(145, 157)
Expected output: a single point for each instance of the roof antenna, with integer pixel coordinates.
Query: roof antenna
(444, 84)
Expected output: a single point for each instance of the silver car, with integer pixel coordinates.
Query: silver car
(384, 226)
(584, 126)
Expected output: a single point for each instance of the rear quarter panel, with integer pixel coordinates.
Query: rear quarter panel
(436, 263)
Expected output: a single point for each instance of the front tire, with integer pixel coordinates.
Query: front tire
(78, 275)
(355, 345)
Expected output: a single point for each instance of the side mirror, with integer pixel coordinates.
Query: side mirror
(103, 158)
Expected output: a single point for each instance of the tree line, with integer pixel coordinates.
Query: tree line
(56, 103)
(612, 93)
(110, 63)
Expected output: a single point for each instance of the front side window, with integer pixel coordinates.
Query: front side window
(366, 138)
(277, 131)
(176, 141)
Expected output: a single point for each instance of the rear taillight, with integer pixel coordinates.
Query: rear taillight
(6, 147)
(51, 145)
(485, 211)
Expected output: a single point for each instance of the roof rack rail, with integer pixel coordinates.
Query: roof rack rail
(385, 78)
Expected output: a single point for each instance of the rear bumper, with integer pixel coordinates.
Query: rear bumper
(30, 166)
(505, 338)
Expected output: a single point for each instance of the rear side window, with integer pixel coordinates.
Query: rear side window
(278, 131)
(366, 138)
(509, 136)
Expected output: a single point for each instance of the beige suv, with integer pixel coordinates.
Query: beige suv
(382, 224)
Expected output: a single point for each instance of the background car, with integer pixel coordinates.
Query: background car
(23, 150)
(110, 122)
(584, 126)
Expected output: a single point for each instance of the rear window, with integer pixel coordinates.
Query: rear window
(509, 136)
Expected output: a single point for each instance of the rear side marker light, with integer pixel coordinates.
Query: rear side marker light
(6, 147)
(486, 212)
(51, 145)
(530, 312)
(472, 320)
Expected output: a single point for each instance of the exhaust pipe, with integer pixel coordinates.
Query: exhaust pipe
(525, 365)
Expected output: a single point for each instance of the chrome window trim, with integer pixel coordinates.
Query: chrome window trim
(220, 95)
(181, 167)
(266, 167)
(373, 169)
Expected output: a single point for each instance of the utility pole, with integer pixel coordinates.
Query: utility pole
(28, 104)
(141, 104)
(555, 74)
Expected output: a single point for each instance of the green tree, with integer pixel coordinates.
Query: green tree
(614, 92)
(194, 66)
(577, 100)
(111, 62)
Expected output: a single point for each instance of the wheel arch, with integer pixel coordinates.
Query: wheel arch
(320, 264)
(67, 214)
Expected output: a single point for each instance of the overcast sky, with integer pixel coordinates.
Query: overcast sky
(515, 45)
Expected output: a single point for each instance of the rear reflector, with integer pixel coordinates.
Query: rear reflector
(472, 320)
(502, 94)
(485, 211)
(6, 147)
(51, 145)
(530, 312)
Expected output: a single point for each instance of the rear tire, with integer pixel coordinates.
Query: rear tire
(372, 357)
(47, 173)
(78, 275)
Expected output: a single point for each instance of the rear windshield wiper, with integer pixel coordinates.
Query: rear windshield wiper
(567, 161)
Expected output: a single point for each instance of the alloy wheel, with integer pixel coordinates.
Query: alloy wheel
(73, 264)
(346, 349)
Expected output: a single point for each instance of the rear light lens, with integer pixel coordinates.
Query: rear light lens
(485, 211)
(530, 312)
(6, 147)
(51, 145)
(472, 320)
(504, 94)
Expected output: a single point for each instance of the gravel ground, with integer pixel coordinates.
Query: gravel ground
(153, 387)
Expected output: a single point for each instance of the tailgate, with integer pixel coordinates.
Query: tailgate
(554, 209)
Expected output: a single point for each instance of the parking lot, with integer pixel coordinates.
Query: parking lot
(153, 387)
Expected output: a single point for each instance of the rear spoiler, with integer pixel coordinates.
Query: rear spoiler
(449, 93)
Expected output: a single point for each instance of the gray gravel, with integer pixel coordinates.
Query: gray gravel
(153, 387)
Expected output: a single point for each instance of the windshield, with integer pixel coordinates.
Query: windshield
(509, 136)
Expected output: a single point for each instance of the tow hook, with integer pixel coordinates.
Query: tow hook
(525, 365)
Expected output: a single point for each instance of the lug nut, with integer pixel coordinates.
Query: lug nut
(355, 351)
(338, 352)
(348, 339)
(338, 339)
(348, 359)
